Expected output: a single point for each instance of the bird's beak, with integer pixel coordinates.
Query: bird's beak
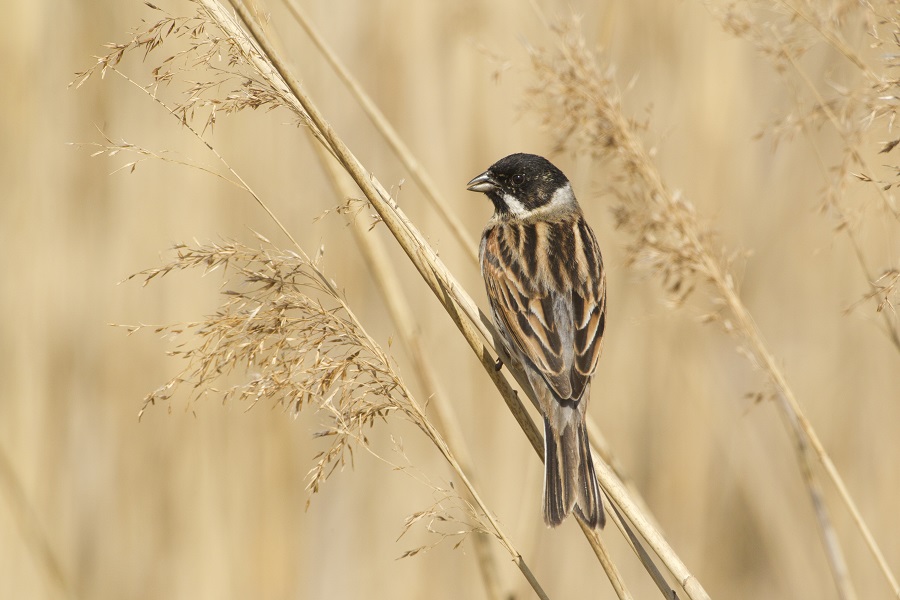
(482, 183)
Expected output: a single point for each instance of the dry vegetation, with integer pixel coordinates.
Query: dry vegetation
(760, 463)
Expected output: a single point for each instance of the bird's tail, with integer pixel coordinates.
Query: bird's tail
(569, 478)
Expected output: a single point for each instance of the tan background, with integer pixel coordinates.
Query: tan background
(207, 501)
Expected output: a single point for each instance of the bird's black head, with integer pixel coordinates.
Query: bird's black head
(521, 183)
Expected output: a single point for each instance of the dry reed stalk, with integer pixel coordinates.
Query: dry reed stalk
(582, 102)
(388, 283)
(417, 172)
(830, 541)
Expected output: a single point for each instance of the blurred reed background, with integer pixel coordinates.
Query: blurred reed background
(205, 500)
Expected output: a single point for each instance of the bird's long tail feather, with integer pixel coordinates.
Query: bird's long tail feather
(569, 478)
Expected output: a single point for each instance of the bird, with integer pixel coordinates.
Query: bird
(546, 286)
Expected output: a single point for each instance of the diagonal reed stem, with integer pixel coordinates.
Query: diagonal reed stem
(418, 173)
(388, 282)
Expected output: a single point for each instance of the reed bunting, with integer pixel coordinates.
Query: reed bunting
(547, 290)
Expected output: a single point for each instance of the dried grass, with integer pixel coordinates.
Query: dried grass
(286, 336)
(858, 103)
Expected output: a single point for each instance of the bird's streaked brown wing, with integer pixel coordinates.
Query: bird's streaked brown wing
(588, 303)
(554, 315)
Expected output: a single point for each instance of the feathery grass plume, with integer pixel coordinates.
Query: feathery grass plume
(579, 103)
(858, 101)
(668, 238)
(230, 84)
(285, 328)
(287, 334)
(290, 339)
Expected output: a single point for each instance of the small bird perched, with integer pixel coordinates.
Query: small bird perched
(547, 289)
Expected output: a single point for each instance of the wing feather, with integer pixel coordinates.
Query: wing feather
(554, 319)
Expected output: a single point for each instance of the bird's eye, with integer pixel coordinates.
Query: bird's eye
(518, 179)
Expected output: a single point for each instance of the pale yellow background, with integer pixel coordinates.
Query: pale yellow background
(207, 501)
